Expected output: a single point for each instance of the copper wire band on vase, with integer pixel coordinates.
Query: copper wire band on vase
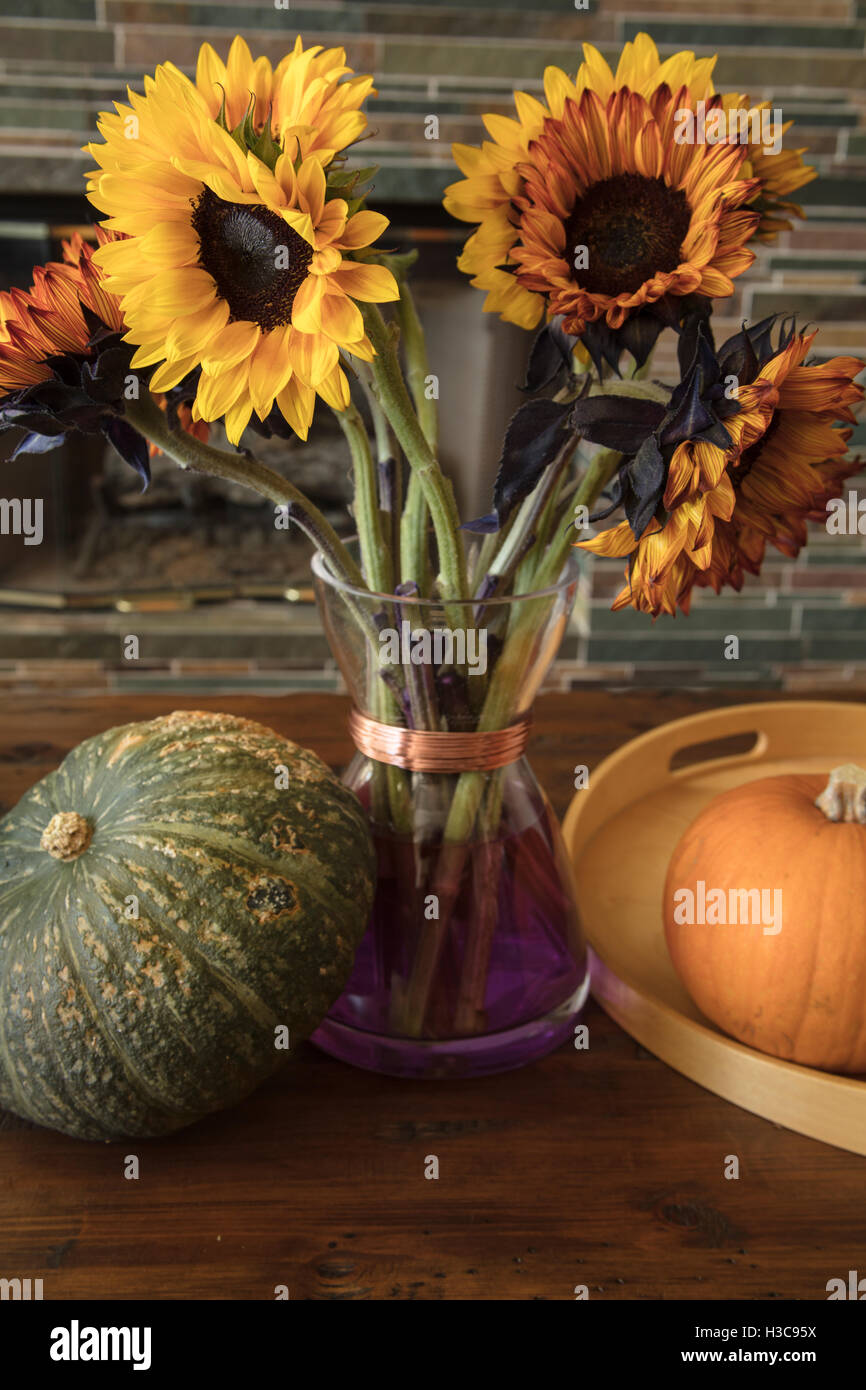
(423, 750)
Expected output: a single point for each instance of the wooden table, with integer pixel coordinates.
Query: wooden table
(602, 1168)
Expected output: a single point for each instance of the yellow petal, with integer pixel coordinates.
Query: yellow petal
(237, 418)
(307, 305)
(311, 188)
(334, 390)
(209, 74)
(270, 369)
(557, 89)
(296, 402)
(217, 394)
(363, 229)
(169, 244)
(235, 341)
(313, 356)
(170, 373)
(373, 283)
(341, 319)
(195, 332)
(179, 292)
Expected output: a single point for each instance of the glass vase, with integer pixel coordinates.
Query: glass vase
(473, 961)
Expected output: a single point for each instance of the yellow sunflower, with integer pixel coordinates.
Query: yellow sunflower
(311, 99)
(495, 173)
(234, 257)
(723, 506)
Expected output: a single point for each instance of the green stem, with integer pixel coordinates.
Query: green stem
(414, 549)
(146, 416)
(438, 493)
(508, 679)
(390, 473)
(596, 478)
(375, 554)
(417, 365)
(377, 562)
(381, 430)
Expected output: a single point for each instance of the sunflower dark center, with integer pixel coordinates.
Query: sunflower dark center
(632, 228)
(743, 466)
(257, 261)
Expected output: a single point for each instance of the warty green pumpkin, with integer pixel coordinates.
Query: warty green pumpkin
(175, 893)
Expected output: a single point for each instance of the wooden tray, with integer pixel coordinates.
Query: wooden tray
(621, 832)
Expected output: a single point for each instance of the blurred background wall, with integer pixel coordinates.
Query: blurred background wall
(61, 61)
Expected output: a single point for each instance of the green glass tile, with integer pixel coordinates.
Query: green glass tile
(415, 183)
(514, 21)
(41, 43)
(46, 115)
(802, 116)
(72, 10)
(747, 72)
(662, 648)
(842, 647)
(834, 192)
(835, 264)
(700, 36)
(537, 6)
(481, 59)
(718, 617)
(346, 19)
(819, 306)
(843, 618)
(833, 556)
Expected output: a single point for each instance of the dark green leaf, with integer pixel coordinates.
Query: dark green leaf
(534, 436)
(549, 356)
(617, 422)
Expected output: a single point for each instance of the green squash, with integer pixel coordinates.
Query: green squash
(251, 899)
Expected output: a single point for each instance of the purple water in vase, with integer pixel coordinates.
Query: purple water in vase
(473, 961)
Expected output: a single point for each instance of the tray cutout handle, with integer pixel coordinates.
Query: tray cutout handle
(739, 745)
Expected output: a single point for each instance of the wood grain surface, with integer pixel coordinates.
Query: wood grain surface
(601, 1168)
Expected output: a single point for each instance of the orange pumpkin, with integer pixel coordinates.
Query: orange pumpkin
(765, 916)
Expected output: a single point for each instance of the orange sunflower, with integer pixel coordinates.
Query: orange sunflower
(722, 507)
(236, 257)
(496, 173)
(63, 364)
(48, 319)
(614, 215)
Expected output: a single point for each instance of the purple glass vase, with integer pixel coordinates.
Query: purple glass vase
(473, 961)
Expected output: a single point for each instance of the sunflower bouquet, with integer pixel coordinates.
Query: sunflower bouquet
(236, 277)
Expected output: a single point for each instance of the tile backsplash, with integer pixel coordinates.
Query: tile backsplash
(61, 61)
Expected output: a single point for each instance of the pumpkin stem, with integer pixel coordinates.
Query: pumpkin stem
(844, 797)
(66, 835)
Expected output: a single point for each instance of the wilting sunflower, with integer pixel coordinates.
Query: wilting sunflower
(235, 256)
(722, 506)
(63, 364)
(497, 173)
